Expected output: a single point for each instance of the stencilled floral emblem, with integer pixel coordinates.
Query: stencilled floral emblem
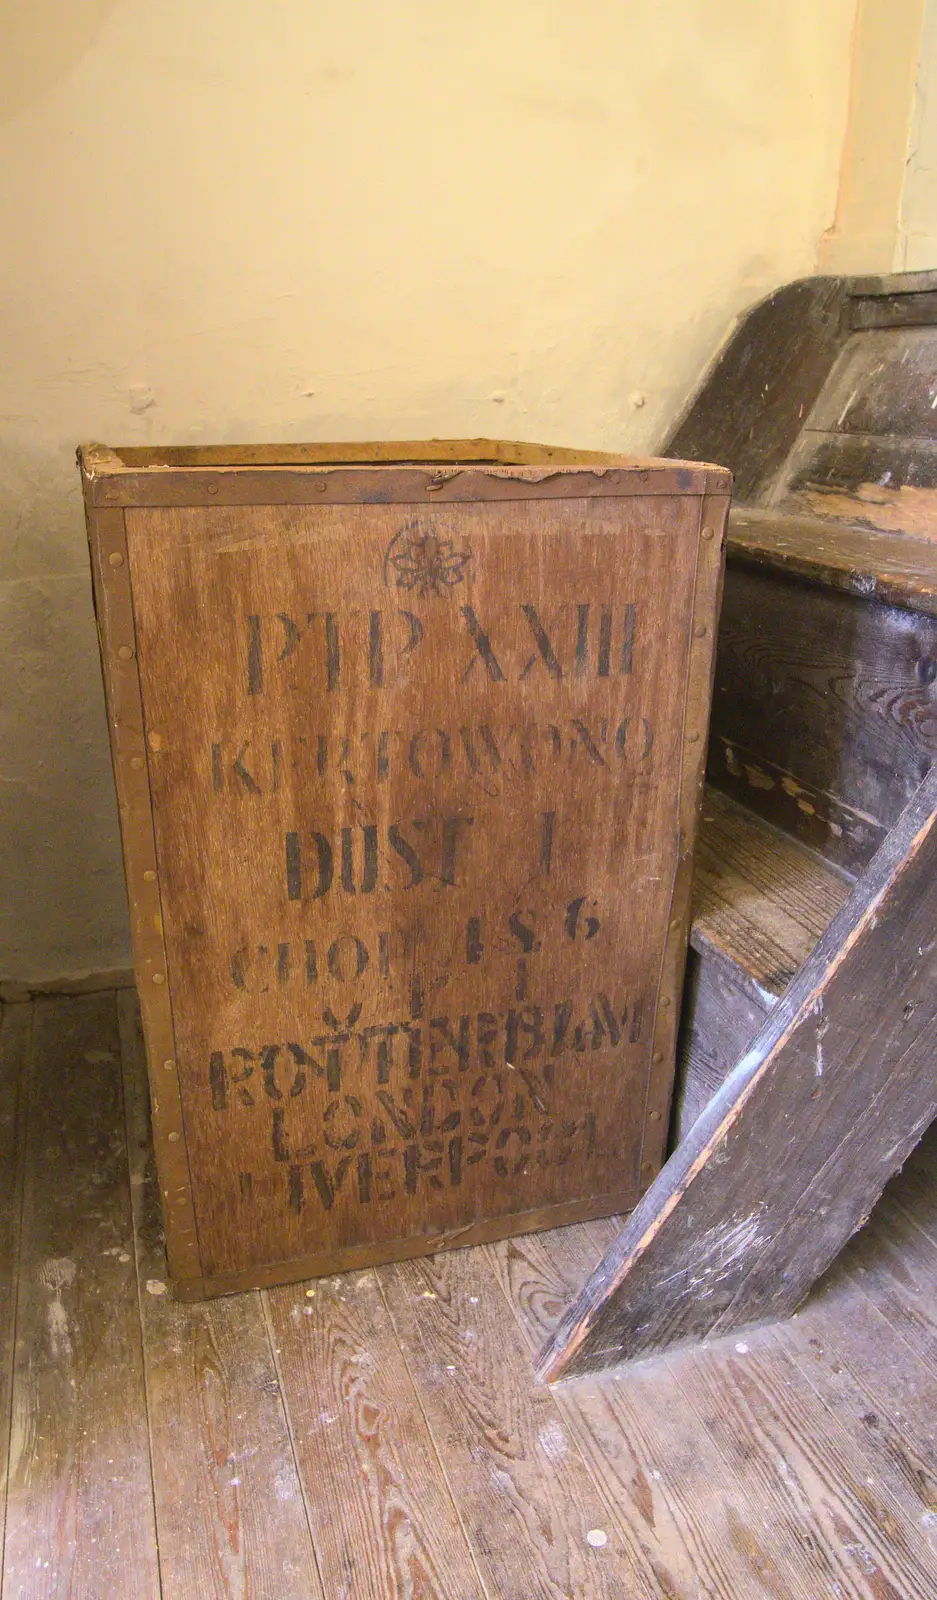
(424, 564)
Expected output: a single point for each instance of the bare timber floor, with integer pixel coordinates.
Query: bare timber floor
(380, 1434)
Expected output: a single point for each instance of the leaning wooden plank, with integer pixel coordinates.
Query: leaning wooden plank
(15, 1023)
(792, 1152)
(229, 1505)
(80, 1508)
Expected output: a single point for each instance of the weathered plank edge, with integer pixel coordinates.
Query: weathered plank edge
(113, 604)
(701, 666)
(674, 1183)
(853, 561)
(108, 482)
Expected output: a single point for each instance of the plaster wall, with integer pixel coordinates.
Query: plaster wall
(226, 221)
(917, 235)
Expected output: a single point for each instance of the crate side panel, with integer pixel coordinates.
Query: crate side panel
(416, 780)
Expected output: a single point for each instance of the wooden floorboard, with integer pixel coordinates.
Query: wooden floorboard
(773, 1432)
(15, 1037)
(230, 1513)
(80, 1500)
(387, 1528)
(876, 1386)
(532, 1514)
(382, 1434)
(701, 1523)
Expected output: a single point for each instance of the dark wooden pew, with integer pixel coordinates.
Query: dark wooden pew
(824, 405)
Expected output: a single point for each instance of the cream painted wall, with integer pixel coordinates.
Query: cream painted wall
(231, 221)
(887, 46)
(917, 235)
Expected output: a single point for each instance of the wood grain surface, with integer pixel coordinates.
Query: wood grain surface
(860, 561)
(750, 406)
(229, 1506)
(865, 1539)
(401, 770)
(701, 1518)
(824, 712)
(846, 1350)
(387, 1529)
(838, 1082)
(80, 1499)
(759, 900)
(498, 1434)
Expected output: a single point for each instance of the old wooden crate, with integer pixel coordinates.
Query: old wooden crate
(408, 742)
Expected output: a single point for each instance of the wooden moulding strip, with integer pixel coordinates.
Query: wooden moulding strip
(393, 452)
(299, 485)
(701, 654)
(117, 640)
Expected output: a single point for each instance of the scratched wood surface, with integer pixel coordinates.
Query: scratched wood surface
(751, 405)
(838, 1085)
(423, 783)
(356, 1441)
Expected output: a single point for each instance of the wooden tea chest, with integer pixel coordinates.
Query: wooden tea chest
(408, 743)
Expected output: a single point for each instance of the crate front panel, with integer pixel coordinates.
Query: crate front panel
(415, 775)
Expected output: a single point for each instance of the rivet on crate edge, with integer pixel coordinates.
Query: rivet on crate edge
(707, 533)
(116, 559)
(125, 653)
(170, 1066)
(692, 736)
(173, 1138)
(149, 875)
(159, 977)
(137, 763)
